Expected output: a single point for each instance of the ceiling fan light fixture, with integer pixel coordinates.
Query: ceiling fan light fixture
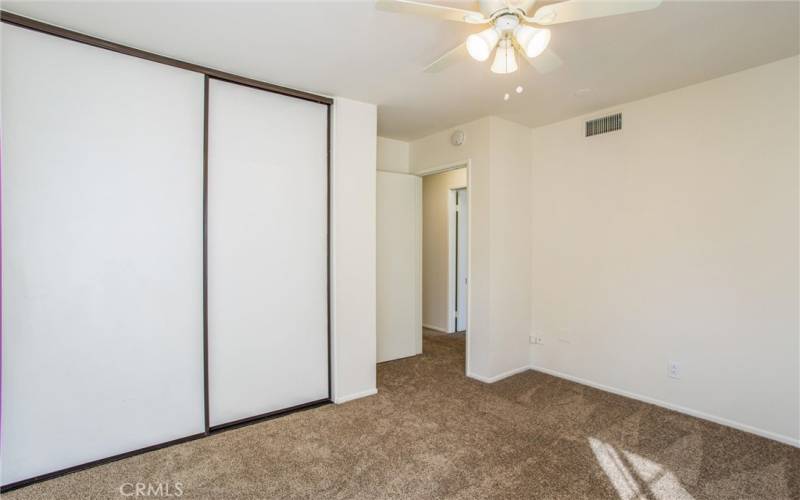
(480, 45)
(505, 60)
(532, 40)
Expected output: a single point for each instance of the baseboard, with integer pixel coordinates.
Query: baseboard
(491, 380)
(680, 409)
(436, 328)
(357, 395)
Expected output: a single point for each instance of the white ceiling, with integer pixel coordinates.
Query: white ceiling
(350, 49)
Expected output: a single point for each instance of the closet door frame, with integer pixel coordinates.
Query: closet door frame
(311, 404)
(32, 24)
(73, 36)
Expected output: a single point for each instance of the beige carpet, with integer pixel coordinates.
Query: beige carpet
(432, 433)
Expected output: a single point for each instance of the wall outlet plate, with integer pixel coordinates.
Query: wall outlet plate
(674, 370)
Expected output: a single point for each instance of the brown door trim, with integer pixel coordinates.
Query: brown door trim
(32, 24)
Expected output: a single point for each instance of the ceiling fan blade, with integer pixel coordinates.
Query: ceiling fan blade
(452, 56)
(525, 5)
(546, 62)
(578, 10)
(426, 9)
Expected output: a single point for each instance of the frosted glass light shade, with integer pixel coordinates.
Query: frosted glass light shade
(505, 61)
(532, 40)
(480, 45)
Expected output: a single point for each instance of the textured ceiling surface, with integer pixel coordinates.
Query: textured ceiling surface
(353, 50)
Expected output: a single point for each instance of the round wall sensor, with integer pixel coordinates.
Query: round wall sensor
(457, 138)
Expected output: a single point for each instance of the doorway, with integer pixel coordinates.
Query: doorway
(444, 248)
(422, 262)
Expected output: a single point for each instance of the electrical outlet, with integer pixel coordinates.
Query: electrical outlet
(539, 340)
(674, 370)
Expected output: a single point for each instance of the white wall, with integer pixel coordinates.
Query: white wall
(510, 245)
(353, 261)
(676, 239)
(499, 275)
(436, 245)
(393, 155)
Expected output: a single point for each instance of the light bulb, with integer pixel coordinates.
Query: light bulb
(505, 61)
(480, 45)
(506, 97)
(532, 40)
(519, 89)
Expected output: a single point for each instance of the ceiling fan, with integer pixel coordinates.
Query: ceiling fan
(512, 30)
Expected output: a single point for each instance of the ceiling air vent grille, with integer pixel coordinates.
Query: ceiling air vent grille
(604, 124)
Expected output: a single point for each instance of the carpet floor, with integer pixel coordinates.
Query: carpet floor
(430, 432)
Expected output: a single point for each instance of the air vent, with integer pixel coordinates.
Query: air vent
(604, 124)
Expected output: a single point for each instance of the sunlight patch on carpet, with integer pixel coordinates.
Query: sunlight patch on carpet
(636, 477)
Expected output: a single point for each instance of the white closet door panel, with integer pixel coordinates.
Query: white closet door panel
(102, 253)
(267, 253)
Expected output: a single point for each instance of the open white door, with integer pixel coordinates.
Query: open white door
(399, 258)
(462, 207)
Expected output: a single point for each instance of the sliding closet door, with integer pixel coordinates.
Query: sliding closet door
(102, 254)
(267, 252)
